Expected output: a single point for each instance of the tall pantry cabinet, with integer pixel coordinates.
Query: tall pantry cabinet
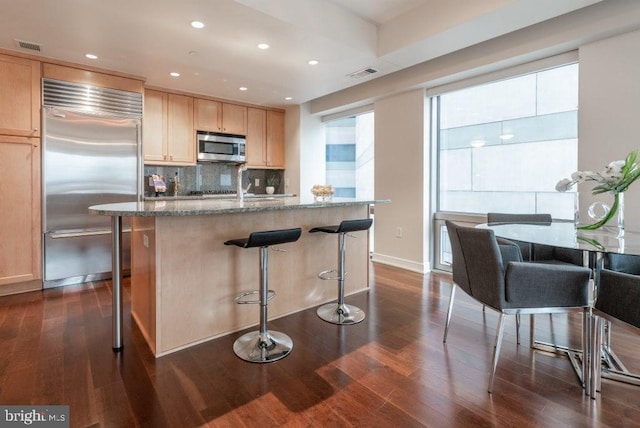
(20, 222)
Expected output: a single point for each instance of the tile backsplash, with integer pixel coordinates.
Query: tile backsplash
(212, 176)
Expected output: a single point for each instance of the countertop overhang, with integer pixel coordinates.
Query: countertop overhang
(197, 207)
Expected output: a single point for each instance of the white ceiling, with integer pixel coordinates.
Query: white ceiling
(151, 38)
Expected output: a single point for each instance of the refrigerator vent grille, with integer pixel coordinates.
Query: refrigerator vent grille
(91, 99)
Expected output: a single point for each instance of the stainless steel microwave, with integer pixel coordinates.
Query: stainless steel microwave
(214, 147)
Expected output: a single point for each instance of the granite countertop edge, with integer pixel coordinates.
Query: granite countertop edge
(199, 207)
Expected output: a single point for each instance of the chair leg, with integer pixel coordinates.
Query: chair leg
(449, 312)
(496, 350)
(596, 355)
(532, 329)
(518, 329)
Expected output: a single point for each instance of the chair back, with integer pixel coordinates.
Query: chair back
(619, 296)
(518, 218)
(484, 266)
(458, 266)
(623, 263)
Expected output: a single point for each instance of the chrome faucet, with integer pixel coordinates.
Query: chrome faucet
(239, 190)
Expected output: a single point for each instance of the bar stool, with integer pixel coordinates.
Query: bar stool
(339, 312)
(264, 345)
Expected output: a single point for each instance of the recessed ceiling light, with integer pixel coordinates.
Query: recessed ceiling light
(263, 46)
(478, 143)
(91, 56)
(243, 88)
(288, 98)
(197, 24)
(313, 62)
(174, 74)
(506, 136)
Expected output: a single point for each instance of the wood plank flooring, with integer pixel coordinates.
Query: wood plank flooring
(392, 370)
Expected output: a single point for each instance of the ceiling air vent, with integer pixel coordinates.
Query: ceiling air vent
(362, 73)
(28, 45)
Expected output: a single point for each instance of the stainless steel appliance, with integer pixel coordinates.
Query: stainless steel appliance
(214, 147)
(91, 155)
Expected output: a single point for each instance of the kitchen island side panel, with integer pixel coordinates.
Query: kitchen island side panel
(143, 277)
(198, 277)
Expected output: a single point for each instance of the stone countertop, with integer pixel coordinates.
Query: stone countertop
(229, 196)
(195, 207)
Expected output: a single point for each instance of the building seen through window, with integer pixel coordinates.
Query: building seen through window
(349, 156)
(503, 146)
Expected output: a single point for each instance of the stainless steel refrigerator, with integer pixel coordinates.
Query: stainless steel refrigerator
(91, 155)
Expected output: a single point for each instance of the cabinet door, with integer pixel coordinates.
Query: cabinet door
(275, 139)
(154, 126)
(19, 96)
(207, 115)
(256, 137)
(20, 230)
(181, 137)
(234, 119)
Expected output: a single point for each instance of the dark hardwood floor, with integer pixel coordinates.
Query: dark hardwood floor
(391, 370)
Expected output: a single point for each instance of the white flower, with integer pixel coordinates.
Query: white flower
(564, 185)
(613, 170)
(614, 178)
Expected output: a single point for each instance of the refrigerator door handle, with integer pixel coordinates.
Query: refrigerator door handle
(57, 234)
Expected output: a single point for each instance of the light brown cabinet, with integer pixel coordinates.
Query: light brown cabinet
(20, 228)
(256, 137)
(215, 116)
(19, 96)
(168, 137)
(265, 138)
(275, 139)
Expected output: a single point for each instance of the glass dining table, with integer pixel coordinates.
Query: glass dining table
(594, 245)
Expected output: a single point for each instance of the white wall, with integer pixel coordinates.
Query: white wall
(609, 115)
(304, 150)
(400, 176)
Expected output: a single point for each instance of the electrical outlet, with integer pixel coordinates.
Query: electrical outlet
(257, 184)
(398, 232)
(145, 241)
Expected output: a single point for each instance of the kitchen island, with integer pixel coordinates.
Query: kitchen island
(184, 279)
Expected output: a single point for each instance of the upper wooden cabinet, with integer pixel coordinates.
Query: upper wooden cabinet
(215, 116)
(168, 137)
(257, 137)
(275, 139)
(19, 96)
(265, 139)
(20, 228)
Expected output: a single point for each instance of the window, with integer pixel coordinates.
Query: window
(503, 146)
(349, 156)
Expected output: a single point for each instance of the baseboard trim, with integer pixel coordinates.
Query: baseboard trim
(401, 263)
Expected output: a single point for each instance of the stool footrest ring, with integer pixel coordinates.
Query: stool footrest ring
(325, 274)
(240, 298)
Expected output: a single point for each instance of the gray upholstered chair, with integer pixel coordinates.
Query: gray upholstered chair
(509, 251)
(515, 287)
(538, 253)
(618, 298)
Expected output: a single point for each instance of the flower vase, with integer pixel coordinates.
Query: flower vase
(616, 208)
(620, 197)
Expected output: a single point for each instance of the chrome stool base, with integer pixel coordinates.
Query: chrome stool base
(257, 347)
(340, 314)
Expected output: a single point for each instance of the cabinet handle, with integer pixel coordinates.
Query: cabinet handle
(35, 129)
